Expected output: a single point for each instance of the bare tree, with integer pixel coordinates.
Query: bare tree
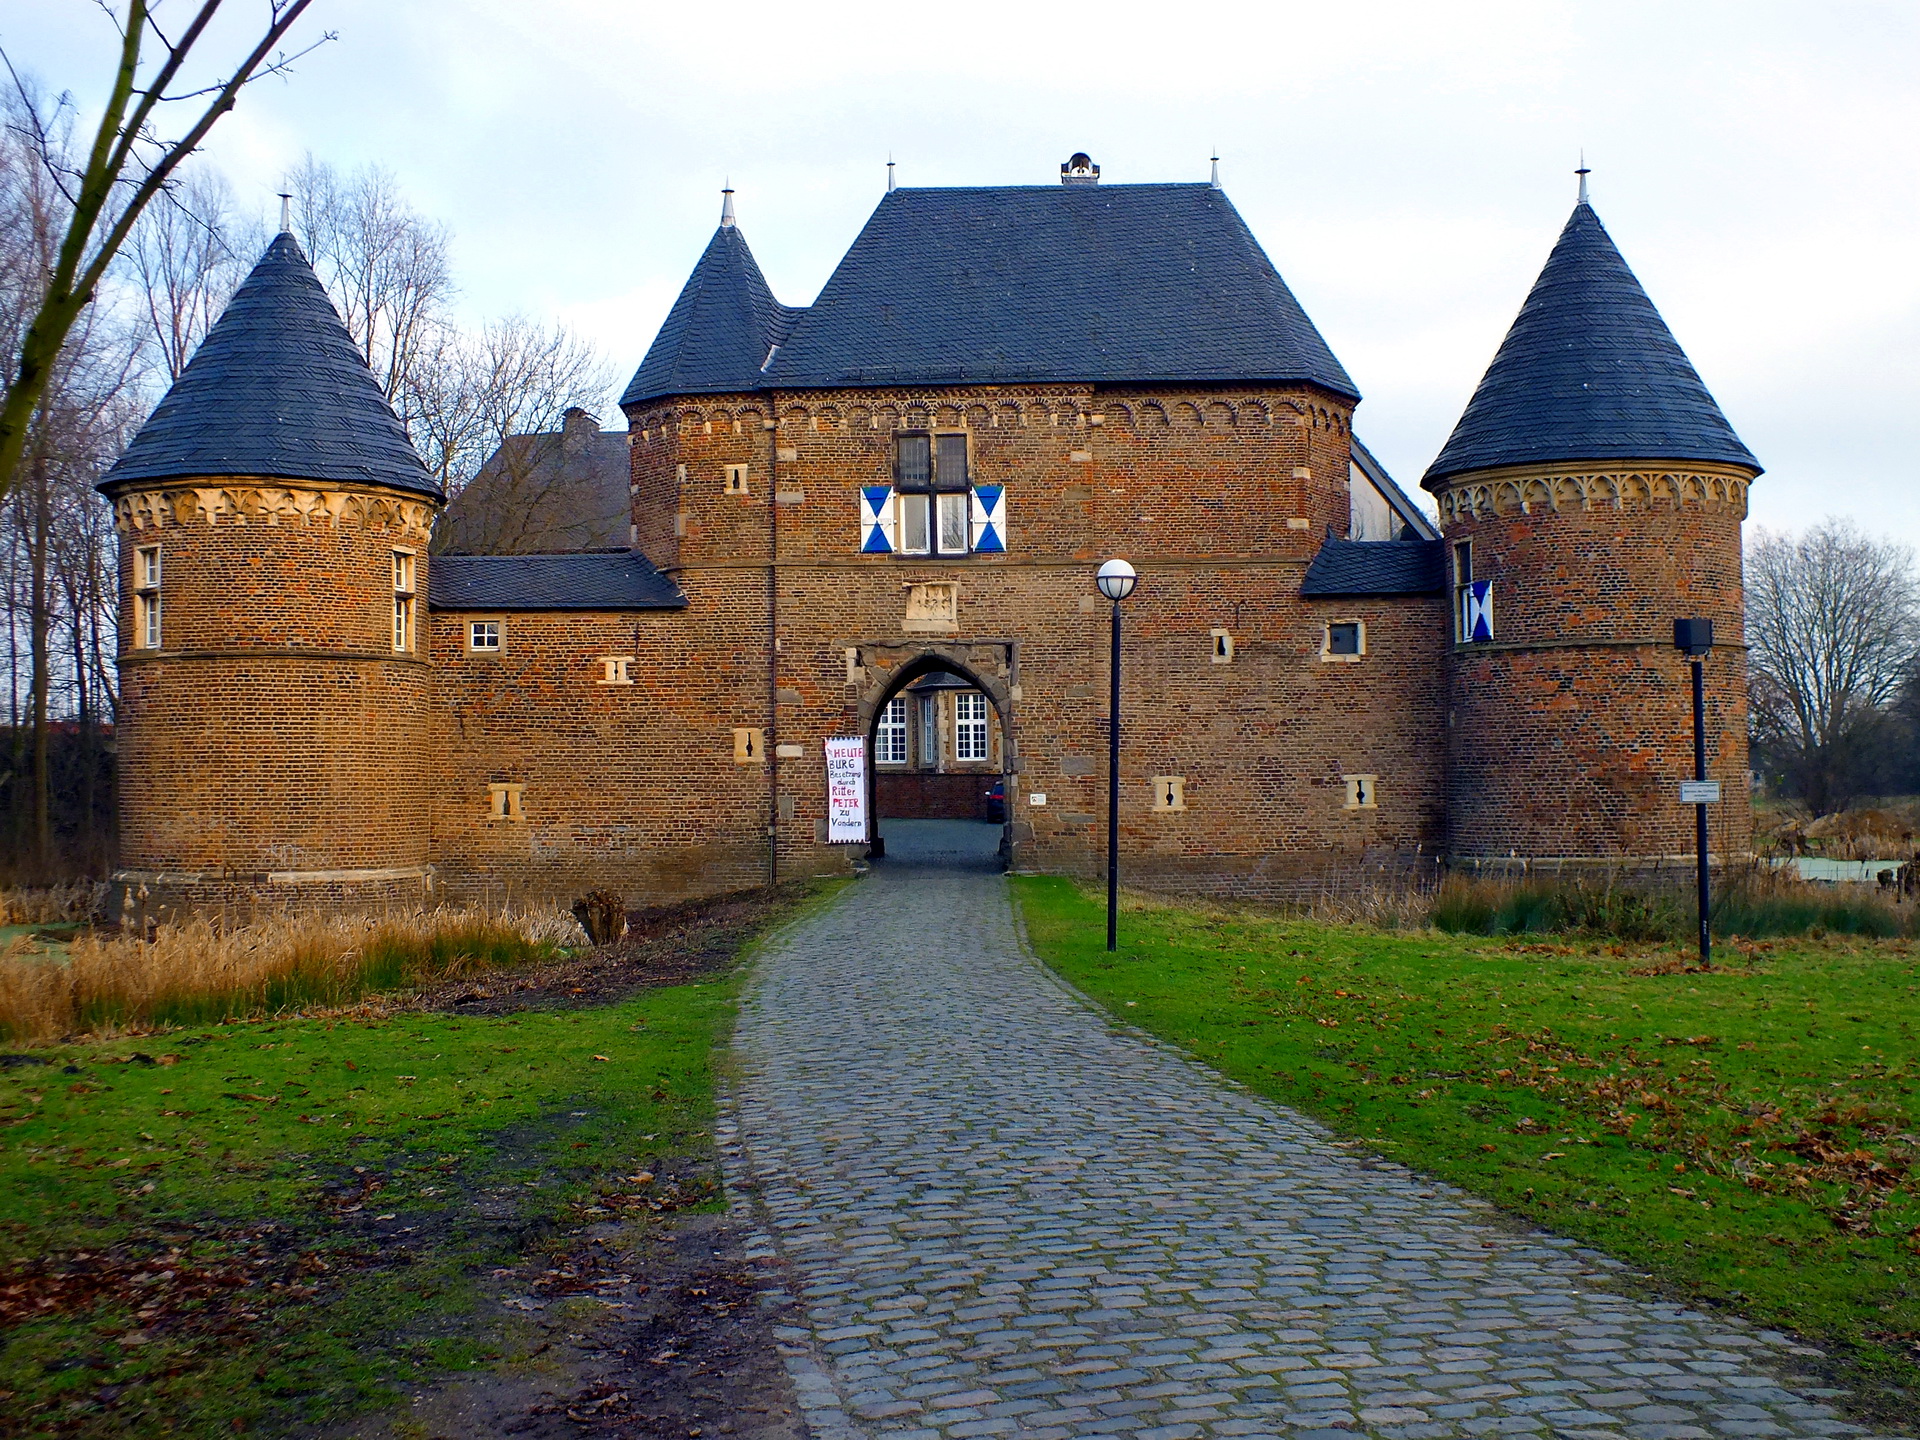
(1833, 622)
(184, 260)
(504, 421)
(127, 164)
(383, 263)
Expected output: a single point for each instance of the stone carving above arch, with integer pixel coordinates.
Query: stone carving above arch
(1493, 495)
(139, 511)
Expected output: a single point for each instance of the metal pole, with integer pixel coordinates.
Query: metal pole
(1700, 811)
(1113, 788)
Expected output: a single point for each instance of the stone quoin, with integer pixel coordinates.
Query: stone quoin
(879, 516)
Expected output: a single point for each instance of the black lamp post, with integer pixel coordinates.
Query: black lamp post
(1694, 639)
(1116, 581)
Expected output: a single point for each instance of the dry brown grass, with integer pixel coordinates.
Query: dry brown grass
(201, 970)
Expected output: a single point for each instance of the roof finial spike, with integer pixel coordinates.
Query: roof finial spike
(726, 206)
(1216, 169)
(286, 213)
(889, 174)
(1583, 172)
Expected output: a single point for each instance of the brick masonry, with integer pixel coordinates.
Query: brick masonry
(276, 732)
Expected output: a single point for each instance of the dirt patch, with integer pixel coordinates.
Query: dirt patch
(663, 1332)
(667, 945)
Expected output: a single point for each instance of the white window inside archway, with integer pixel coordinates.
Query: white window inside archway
(970, 725)
(890, 735)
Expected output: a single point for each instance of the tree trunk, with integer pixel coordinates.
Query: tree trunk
(41, 625)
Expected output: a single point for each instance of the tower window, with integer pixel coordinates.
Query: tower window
(970, 726)
(146, 599)
(890, 735)
(403, 599)
(1462, 585)
(736, 480)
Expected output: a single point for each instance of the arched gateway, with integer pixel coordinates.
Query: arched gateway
(941, 751)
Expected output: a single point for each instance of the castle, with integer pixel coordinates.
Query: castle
(879, 517)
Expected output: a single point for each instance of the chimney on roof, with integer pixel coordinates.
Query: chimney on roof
(726, 208)
(1080, 170)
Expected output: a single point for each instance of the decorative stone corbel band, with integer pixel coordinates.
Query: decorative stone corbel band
(142, 510)
(1525, 490)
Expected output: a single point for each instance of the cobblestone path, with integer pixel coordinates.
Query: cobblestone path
(1006, 1217)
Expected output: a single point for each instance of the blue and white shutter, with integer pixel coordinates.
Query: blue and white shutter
(1478, 619)
(989, 518)
(877, 532)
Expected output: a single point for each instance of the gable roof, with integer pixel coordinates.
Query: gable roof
(618, 580)
(1589, 371)
(721, 328)
(1125, 284)
(278, 388)
(544, 493)
(1403, 505)
(1376, 567)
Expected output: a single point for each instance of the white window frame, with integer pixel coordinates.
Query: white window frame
(405, 626)
(890, 733)
(1461, 558)
(972, 732)
(146, 599)
(498, 627)
(953, 515)
(915, 509)
(930, 732)
(146, 568)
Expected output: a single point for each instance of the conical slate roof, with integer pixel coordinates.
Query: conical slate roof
(277, 389)
(720, 331)
(1589, 371)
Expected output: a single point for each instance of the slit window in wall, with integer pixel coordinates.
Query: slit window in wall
(404, 562)
(146, 598)
(1360, 791)
(1169, 792)
(737, 480)
(749, 746)
(486, 637)
(504, 802)
(1222, 648)
(616, 670)
(1344, 640)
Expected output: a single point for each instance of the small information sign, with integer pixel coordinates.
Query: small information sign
(847, 790)
(1699, 792)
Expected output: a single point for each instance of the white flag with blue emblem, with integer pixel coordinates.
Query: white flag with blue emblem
(876, 520)
(1476, 618)
(989, 518)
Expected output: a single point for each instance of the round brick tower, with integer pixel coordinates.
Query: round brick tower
(1591, 494)
(274, 521)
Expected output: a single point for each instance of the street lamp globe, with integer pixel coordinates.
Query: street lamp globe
(1116, 579)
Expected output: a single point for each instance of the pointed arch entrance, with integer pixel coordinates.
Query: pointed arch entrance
(940, 751)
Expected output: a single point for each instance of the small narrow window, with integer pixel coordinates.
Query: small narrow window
(737, 480)
(1169, 792)
(1344, 640)
(950, 462)
(146, 599)
(929, 732)
(749, 746)
(486, 637)
(916, 524)
(1222, 647)
(1360, 791)
(913, 460)
(970, 726)
(1462, 588)
(890, 735)
(504, 802)
(616, 670)
(953, 524)
(403, 599)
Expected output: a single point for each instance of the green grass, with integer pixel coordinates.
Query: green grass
(265, 1151)
(1745, 1135)
(1623, 912)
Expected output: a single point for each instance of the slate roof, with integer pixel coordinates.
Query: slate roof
(614, 580)
(720, 330)
(544, 493)
(1376, 567)
(1125, 284)
(277, 389)
(1589, 371)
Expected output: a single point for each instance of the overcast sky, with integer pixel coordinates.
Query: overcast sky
(1407, 166)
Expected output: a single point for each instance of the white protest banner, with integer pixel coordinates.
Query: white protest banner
(847, 790)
